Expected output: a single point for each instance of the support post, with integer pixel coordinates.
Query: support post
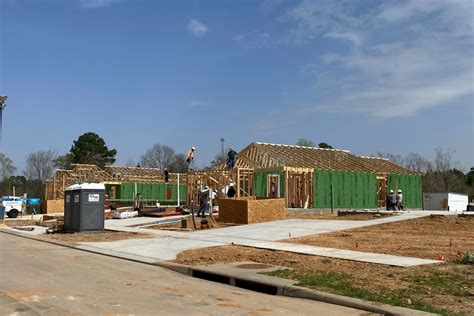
(178, 191)
(238, 182)
(332, 199)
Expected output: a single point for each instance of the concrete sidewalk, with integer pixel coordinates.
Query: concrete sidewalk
(168, 244)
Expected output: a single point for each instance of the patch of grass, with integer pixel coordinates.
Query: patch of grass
(342, 284)
(443, 283)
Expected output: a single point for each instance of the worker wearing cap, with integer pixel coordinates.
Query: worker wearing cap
(399, 200)
(231, 192)
(391, 201)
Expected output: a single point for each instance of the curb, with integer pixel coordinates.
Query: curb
(246, 283)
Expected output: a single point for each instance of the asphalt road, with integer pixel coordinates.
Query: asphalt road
(38, 278)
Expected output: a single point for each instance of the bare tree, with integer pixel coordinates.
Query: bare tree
(159, 156)
(417, 163)
(398, 159)
(40, 165)
(7, 169)
(178, 164)
(305, 142)
(130, 163)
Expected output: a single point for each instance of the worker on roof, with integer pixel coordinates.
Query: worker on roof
(190, 157)
(231, 158)
(167, 175)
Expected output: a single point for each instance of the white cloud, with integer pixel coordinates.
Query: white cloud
(92, 4)
(197, 28)
(404, 56)
(253, 39)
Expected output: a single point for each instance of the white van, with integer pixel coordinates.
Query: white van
(13, 205)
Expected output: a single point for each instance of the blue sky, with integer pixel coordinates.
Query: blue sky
(368, 76)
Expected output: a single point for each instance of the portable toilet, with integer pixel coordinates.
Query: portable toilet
(84, 207)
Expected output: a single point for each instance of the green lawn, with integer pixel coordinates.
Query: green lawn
(448, 283)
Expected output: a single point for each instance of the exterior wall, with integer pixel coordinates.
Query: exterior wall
(347, 189)
(260, 182)
(163, 192)
(411, 189)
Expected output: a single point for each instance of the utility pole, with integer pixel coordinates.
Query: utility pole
(3, 105)
(222, 146)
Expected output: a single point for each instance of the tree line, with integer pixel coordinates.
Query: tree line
(89, 148)
(442, 174)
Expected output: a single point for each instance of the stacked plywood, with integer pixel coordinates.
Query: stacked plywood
(53, 206)
(248, 211)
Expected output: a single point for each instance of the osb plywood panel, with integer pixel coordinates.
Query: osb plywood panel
(233, 211)
(240, 211)
(53, 206)
(266, 210)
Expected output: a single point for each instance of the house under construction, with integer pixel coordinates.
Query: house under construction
(122, 184)
(309, 177)
(306, 177)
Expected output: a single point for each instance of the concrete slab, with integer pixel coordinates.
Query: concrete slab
(137, 221)
(38, 230)
(162, 248)
(292, 228)
(263, 235)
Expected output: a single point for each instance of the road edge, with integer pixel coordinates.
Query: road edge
(241, 282)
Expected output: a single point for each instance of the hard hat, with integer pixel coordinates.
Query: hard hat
(193, 148)
(231, 184)
(399, 191)
(391, 191)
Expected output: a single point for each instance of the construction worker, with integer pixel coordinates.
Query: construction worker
(231, 192)
(204, 197)
(167, 175)
(231, 158)
(190, 157)
(391, 201)
(399, 200)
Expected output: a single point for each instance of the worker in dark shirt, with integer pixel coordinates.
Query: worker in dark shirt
(167, 175)
(231, 158)
(231, 192)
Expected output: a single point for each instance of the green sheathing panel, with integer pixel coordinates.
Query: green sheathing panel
(260, 183)
(411, 189)
(349, 189)
(152, 191)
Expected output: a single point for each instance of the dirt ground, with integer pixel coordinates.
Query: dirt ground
(364, 275)
(436, 237)
(431, 237)
(73, 238)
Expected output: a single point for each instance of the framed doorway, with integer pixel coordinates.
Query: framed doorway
(273, 186)
(381, 190)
